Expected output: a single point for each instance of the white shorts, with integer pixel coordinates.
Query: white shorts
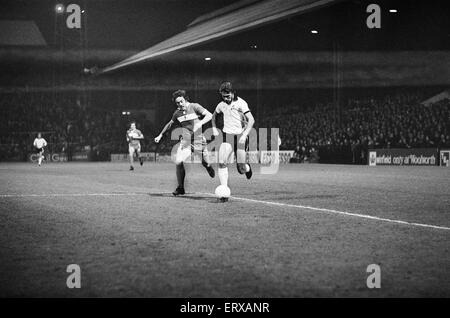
(185, 149)
(132, 149)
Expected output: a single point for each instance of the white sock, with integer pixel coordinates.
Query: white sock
(40, 160)
(223, 176)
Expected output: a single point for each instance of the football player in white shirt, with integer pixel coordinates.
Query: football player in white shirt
(238, 121)
(39, 143)
(134, 145)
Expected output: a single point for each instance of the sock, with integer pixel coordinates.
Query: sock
(223, 176)
(40, 160)
(181, 173)
(205, 164)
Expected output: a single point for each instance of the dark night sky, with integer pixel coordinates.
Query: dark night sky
(139, 24)
(120, 24)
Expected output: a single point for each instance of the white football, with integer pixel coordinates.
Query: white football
(223, 191)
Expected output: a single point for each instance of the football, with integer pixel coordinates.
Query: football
(223, 191)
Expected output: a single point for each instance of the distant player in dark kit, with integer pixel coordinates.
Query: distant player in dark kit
(238, 121)
(134, 146)
(39, 143)
(188, 115)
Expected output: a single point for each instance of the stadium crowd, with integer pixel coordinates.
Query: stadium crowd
(318, 131)
(68, 125)
(398, 121)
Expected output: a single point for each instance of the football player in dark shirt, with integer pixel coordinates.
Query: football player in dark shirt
(188, 115)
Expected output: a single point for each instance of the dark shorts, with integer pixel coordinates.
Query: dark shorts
(234, 141)
(39, 150)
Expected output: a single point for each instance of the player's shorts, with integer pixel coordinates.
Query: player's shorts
(197, 144)
(133, 148)
(233, 140)
(40, 151)
(186, 148)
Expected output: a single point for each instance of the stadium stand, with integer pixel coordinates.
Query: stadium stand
(68, 126)
(394, 121)
(317, 134)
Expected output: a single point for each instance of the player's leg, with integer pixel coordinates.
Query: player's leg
(40, 156)
(138, 154)
(225, 152)
(241, 159)
(131, 155)
(202, 150)
(183, 153)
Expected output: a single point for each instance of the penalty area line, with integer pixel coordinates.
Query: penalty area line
(364, 216)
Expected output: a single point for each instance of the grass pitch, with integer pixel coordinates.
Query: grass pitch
(308, 231)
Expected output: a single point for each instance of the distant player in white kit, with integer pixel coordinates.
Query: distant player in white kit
(39, 143)
(134, 136)
(238, 121)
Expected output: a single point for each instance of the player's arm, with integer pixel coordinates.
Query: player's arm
(163, 131)
(35, 143)
(140, 135)
(207, 116)
(213, 121)
(45, 143)
(248, 128)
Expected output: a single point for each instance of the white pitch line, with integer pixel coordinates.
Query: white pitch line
(237, 198)
(365, 216)
(71, 194)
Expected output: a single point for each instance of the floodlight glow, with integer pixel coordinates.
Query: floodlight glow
(59, 8)
(207, 59)
(314, 31)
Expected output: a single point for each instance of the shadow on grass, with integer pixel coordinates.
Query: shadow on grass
(188, 196)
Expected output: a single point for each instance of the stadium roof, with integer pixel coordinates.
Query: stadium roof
(134, 25)
(237, 17)
(20, 33)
